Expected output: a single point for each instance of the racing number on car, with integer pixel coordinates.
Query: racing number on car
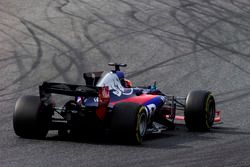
(150, 108)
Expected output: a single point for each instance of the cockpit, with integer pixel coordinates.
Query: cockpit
(111, 79)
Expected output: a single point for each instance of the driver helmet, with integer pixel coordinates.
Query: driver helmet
(121, 77)
(125, 82)
(128, 83)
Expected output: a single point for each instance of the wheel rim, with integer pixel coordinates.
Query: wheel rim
(211, 112)
(143, 124)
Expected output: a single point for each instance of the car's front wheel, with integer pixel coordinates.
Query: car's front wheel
(199, 111)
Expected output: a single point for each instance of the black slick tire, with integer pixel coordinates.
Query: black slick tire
(199, 111)
(129, 121)
(31, 119)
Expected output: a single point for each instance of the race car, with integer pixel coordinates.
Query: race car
(109, 101)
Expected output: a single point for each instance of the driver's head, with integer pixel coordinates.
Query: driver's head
(128, 83)
(125, 82)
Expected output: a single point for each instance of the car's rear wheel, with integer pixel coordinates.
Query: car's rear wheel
(31, 119)
(129, 120)
(199, 111)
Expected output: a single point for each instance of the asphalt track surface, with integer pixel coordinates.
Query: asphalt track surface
(182, 44)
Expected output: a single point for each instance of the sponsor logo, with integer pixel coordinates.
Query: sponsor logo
(96, 99)
(163, 98)
(150, 109)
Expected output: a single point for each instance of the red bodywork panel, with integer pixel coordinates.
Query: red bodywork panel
(136, 99)
(104, 99)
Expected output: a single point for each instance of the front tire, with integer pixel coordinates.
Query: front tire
(199, 111)
(31, 119)
(129, 120)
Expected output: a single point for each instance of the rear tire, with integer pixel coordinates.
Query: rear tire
(199, 111)
(129, 120)
(31, 119)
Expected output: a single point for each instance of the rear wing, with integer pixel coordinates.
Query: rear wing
(47, 88)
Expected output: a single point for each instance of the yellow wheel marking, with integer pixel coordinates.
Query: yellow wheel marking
(207, 110)
(138, 138)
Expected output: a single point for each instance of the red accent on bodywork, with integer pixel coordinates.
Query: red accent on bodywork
(103, 101)
(136, 99)
(217, 118)
(101, 112)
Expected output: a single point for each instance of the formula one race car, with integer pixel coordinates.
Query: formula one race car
(110, 101)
